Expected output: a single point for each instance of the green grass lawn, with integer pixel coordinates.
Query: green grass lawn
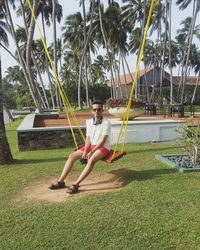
(157, 208)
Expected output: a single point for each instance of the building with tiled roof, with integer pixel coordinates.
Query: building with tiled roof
(151, 77)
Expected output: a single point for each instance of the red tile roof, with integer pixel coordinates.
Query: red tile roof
(128, 79)
(190, 80)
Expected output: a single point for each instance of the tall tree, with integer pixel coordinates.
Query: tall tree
(5, 152)
(196, 8)
(169, 7)
(7, 15)
(58, 98)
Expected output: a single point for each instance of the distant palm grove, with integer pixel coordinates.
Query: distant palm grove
(93, 50)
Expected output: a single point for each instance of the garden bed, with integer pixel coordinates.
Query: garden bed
(180, 162)
(62, 120)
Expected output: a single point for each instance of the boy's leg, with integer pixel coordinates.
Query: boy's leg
(69, 164)
(97, 155)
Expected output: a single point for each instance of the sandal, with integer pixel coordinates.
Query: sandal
(58, 185)
(73, 189)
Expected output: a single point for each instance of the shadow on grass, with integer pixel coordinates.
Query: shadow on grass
(125, 176)
(32, 161)
(151, 149)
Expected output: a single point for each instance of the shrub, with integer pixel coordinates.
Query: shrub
(189, 140)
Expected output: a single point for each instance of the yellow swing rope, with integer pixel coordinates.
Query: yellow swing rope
(64, 98)
(125, 119)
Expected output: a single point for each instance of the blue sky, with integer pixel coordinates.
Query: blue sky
(72, 6)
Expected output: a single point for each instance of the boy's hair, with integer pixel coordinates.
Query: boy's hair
(98, 102)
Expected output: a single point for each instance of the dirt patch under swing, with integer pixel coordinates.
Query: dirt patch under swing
(38, 191)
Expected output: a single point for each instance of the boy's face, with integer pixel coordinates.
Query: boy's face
(97, 110)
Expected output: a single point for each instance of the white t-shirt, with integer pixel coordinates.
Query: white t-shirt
(95, 132)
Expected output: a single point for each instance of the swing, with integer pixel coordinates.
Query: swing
(109, 158)
(113, 155)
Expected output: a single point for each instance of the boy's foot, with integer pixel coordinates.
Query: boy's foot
(73, 189)
(57, 185)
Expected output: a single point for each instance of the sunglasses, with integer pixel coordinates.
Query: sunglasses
(96, 110)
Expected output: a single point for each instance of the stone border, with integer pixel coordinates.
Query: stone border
(31, 138)
(138, 131)
(171, 164)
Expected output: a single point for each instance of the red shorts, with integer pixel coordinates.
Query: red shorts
(103, 150)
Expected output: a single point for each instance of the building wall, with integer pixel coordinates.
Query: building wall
(123, 89)
(153, 78)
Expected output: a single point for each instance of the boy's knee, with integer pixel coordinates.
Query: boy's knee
(92, 161)
(71, 156)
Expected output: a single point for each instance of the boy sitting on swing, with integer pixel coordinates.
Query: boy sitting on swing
(97, 146)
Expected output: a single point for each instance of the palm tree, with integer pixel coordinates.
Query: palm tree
(55, 52)
(196, 8)
(48, 9)
(7, 15)
(45, 9)
(21, 36)
(194, 64)
(182, 40)
(169, 6)
(73, 39)
(163, 55)
(29, 47)
(135, 10)
(5, 152)
(108, 34)
(87, 35)
(98, 69)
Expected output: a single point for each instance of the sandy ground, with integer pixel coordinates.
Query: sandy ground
(93, 184)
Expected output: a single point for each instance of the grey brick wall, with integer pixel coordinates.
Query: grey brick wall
(51, 139)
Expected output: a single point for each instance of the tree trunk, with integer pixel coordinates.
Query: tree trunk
(86, 42)
(86, 82)
(117, 77)
(28, 55)
(21, 59)
(163, 61)
(58, 100)
(142, 34)
(34, 61)
(169, 3)
(46, 103)
(108, 53)
(84, 66)
(128, 69)
(188, 49)
(146, 84)
(47, 66)
(195, 89)
(126, 91)
(5, 152)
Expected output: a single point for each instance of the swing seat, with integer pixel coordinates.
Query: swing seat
(110, 158)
